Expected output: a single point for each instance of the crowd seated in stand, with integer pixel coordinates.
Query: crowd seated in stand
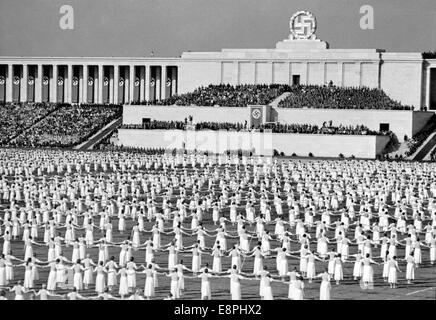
(68, 126)
(16, 117)
(326, 128)
(301, 96)
(332, 97)
(224, 95)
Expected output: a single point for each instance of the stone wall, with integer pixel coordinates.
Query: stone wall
(400, 122)
(262, 143)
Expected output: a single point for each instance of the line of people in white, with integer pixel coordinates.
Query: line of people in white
(333, 212)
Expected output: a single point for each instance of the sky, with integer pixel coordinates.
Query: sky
(169, 27)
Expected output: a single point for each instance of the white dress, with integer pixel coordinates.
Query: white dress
(149, 285)
(100, 284)
(123, 288)
(324, 290)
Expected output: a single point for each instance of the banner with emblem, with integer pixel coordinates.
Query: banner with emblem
(256, 115)
(45, 89)
(16, 89)
(75, 90)
(136, 89)
(168, 89)
(121, 90)
(31, 89)
(60, 89)
(90, 98)
(105, 90)
(2, 88)
(152, 89)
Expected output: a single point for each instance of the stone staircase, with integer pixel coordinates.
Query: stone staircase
(281, 97)
(401, 151)
(425, 149)
(96, 138)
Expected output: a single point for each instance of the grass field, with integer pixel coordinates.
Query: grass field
(423, 287)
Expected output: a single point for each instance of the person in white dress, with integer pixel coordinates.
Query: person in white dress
(393, 269)
(325, 288)
(410, 268)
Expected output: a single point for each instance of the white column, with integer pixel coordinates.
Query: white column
(111, 85)
(360, 74)
(324, 70)
(126, 85)
(290, 73)
(38, 83)
(174, 81)
(164, 82)
(9, 80)
(131, 82)
(147, 82)
(141, 83)
(85, 84)
(307, 73)
(69, 83)
(54, 84)
(341, 73)
(100, 83)
(116, 83)
(23, 83)
(428, 88)
(96, 84)
(158, 84)
(238, 72)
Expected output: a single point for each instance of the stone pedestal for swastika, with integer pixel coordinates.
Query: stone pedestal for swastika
(302, 45)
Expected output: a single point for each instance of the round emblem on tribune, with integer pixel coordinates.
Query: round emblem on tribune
(256, 114)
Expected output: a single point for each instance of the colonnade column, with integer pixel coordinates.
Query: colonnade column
(111, 85)
(142, 83)
(9, 83)
(174, 80)
(69, 83)
(147, 82)
(164, 83)
(428, 88)
(341, 73)
(127, 81)
(158, 84)
(100, 83)
(131, 83)
(84, 97)
(54, 84)
(116, 83)
(38, 84)
(23, 83)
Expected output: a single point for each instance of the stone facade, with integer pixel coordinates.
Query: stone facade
(405, 77)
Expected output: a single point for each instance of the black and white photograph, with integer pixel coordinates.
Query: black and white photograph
(217, 150)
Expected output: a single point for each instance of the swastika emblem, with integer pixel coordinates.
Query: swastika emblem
(16, 80)
(303, 25)
(256, 114)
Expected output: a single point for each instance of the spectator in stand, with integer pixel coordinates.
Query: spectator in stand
(310, 96)
(331, 97)
(17, 117)
(67, 126)
(225, 95)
